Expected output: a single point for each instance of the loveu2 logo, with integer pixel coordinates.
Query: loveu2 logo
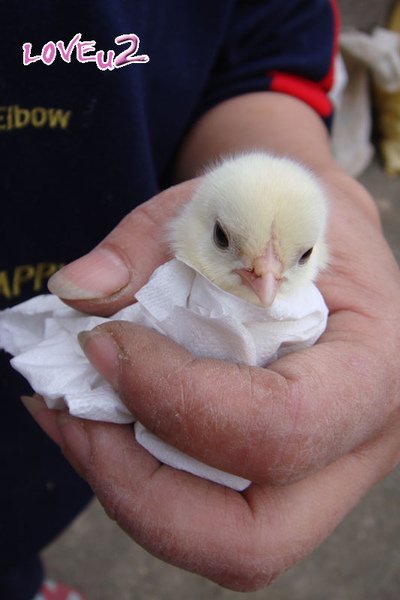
(86, 52)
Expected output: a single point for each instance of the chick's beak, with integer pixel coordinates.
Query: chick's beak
(264, 276)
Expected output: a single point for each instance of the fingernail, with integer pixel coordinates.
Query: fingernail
(33, 404)
(103, 352)
(98, 274)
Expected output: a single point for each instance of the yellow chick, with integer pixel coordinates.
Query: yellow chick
(255, 227)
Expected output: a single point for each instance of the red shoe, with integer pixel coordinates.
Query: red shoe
(51, 590)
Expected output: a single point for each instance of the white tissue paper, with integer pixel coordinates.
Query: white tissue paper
(178, 302)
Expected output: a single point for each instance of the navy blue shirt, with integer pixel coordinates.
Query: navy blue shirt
(80, 147)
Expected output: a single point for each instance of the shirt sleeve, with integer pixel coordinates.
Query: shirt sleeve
(286, 46)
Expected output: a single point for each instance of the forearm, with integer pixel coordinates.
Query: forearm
(272, 122)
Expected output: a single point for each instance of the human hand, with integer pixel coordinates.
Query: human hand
(324, 421)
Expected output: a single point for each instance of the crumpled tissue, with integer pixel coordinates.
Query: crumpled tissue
(178, 302)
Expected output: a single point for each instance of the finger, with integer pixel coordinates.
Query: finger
(241, 541)
(107, 278)
(276, 424)
(44, 417)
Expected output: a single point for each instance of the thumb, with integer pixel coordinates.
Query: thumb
(107, 278)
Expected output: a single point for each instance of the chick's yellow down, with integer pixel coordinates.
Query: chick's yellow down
(255, 227)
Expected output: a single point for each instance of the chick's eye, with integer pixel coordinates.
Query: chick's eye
(304, 258)
(221, 240)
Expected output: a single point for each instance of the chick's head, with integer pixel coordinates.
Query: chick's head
(254, 227)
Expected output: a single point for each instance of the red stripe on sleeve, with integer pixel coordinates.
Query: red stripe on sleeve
(312, 93)
(304, 89)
